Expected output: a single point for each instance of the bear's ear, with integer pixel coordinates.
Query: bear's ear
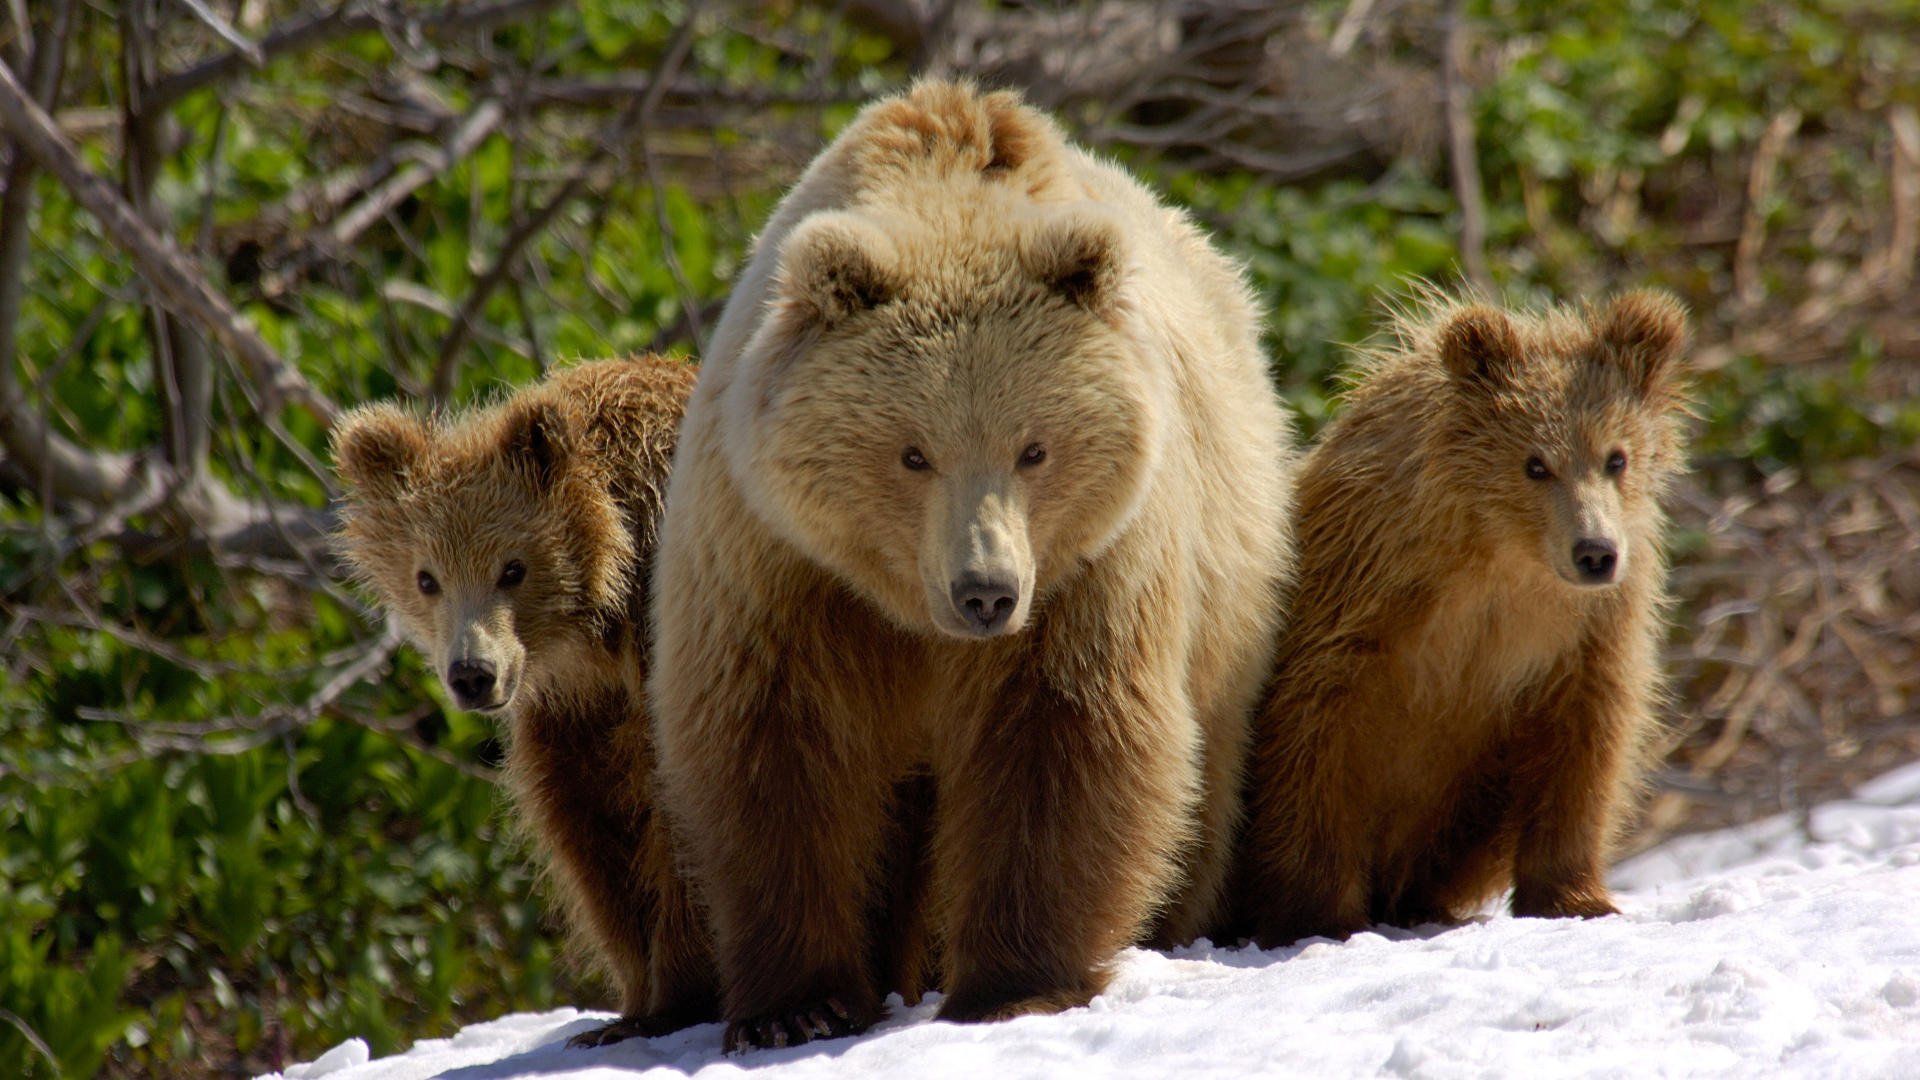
(1644, 332)
(833, 265)
(1479, 347)
(375, 448)
(537, 439)
(1079, 259)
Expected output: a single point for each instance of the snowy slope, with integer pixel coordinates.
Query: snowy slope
(1784, 948)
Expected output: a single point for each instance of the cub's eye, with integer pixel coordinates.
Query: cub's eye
(1537, 469)
(1616, 463)
(1032, 455)
(513, 574)
(428, 586)
(913, 459)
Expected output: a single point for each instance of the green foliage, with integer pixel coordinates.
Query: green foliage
(352, 873)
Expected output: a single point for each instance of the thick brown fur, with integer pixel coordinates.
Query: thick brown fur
(564, 479)
(965, 351)
(1455, 709)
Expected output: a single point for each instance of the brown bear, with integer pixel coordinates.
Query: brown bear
(984, 476)
(514, 543)
(1467, 683)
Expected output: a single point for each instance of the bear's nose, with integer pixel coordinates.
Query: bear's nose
(984, 604)
(471, 682)
(1595, 559)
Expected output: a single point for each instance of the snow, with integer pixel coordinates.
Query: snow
(1786, 947)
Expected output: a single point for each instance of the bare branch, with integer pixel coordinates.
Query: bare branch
(33, 1038)
(345, 20)
(214, 21)
(615, 137)
(472, 131)
(157, 257)
(1462, 150)
(1747, 287)
(67, 470)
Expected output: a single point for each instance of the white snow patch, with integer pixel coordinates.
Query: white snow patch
(1786, 947)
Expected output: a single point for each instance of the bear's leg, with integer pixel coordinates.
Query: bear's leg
(1467, 859)
(1061, 815)
(1570, 760)
(903, 959)
(777, 782)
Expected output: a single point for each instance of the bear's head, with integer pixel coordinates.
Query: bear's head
(1569, 425)
(952, 408)
(490, 536)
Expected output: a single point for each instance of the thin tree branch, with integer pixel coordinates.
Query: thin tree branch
(1462, 150)
(472, 131)
(346, 19)
(65, 469)
(214, 21)
(157, 257)
(33, 1038)
(182, 369)
(466, 319)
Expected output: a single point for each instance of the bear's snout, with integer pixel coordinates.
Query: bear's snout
(984, 604)
(472, 683)
(1595, 559)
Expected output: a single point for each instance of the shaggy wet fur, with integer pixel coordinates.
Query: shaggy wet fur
(564, 480)
(1460, 704)
(985, 481)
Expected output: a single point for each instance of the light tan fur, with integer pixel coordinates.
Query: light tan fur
(563, 480)
(950, 290)
(1456, 709)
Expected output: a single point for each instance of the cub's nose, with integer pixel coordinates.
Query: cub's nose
(984, 604)
(1595, 560)
(471, 682)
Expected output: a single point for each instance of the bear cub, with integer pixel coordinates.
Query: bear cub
(514, 543)
(1466, 687)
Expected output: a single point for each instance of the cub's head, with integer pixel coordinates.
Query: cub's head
(950, 409)
(486, 535)
(1569, 426)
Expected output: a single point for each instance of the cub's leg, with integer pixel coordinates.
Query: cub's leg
(1572, 772)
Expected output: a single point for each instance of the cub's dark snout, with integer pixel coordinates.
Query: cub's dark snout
(1596, 560)
(471, 682)
(984, 604)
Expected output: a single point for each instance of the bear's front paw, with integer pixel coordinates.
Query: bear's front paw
(642, 1026)
(829, 1019)
(987, 1007)
(1571, 903)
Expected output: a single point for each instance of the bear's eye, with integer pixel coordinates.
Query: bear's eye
(428, 586)
(1537, 469)
(913, 459)
(1033, 455)
(513, 574)
(1616, 463)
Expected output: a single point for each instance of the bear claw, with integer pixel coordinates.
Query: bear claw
(627, 1027)
(829, 1019)
(816, 1021)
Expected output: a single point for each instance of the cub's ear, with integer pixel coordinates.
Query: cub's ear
(375, 448)
(834, 265)
(537, 439)
(1080, 259)
(1479, 347)
(1644, 332)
